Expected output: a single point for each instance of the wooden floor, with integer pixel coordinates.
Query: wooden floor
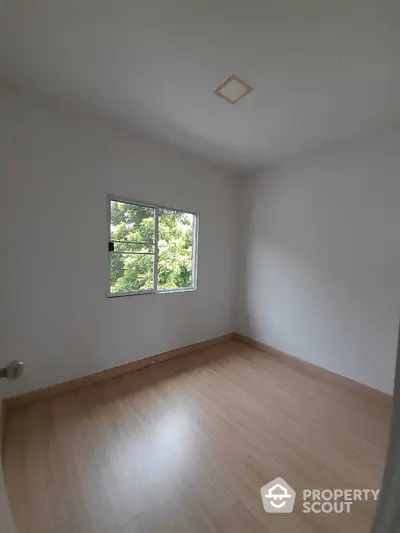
(186, 445)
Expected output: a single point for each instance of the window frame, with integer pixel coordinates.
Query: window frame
(156, 207)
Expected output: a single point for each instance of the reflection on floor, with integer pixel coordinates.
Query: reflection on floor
(186, 445)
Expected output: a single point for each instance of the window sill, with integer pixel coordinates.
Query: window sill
(140, 293)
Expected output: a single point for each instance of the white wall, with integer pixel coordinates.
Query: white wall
(55, 172)
(321, 238)
(320, 248)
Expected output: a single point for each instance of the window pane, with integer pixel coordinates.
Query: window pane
(132, 230)
(131, 223)
(131, 272)
(133, 247)
(175, 245)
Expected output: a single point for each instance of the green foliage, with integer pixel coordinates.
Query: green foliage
(132, 262)
(175, 237)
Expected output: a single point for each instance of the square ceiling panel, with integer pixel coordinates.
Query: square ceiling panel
(233, 89)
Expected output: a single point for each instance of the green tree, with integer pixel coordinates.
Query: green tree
(132, 262)
(175, 238)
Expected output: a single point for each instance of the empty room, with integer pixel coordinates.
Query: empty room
(200, 268)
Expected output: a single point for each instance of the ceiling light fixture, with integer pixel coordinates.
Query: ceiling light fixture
(233, 89)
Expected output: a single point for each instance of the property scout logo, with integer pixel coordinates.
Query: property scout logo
(279, 497)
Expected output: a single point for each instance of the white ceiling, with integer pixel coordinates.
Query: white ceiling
(322, 70)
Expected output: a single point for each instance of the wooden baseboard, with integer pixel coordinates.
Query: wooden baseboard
(289, 360)
(322, 374)
(253, 343)
(67, 386)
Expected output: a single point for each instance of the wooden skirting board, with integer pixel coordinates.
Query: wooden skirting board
(309, 368)
(67, 386)
(288, 360)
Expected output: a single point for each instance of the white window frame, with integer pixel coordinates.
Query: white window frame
(156, 207)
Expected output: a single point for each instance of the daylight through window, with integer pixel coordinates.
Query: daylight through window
(151, 248)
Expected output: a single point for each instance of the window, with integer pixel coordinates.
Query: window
(151, 248)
